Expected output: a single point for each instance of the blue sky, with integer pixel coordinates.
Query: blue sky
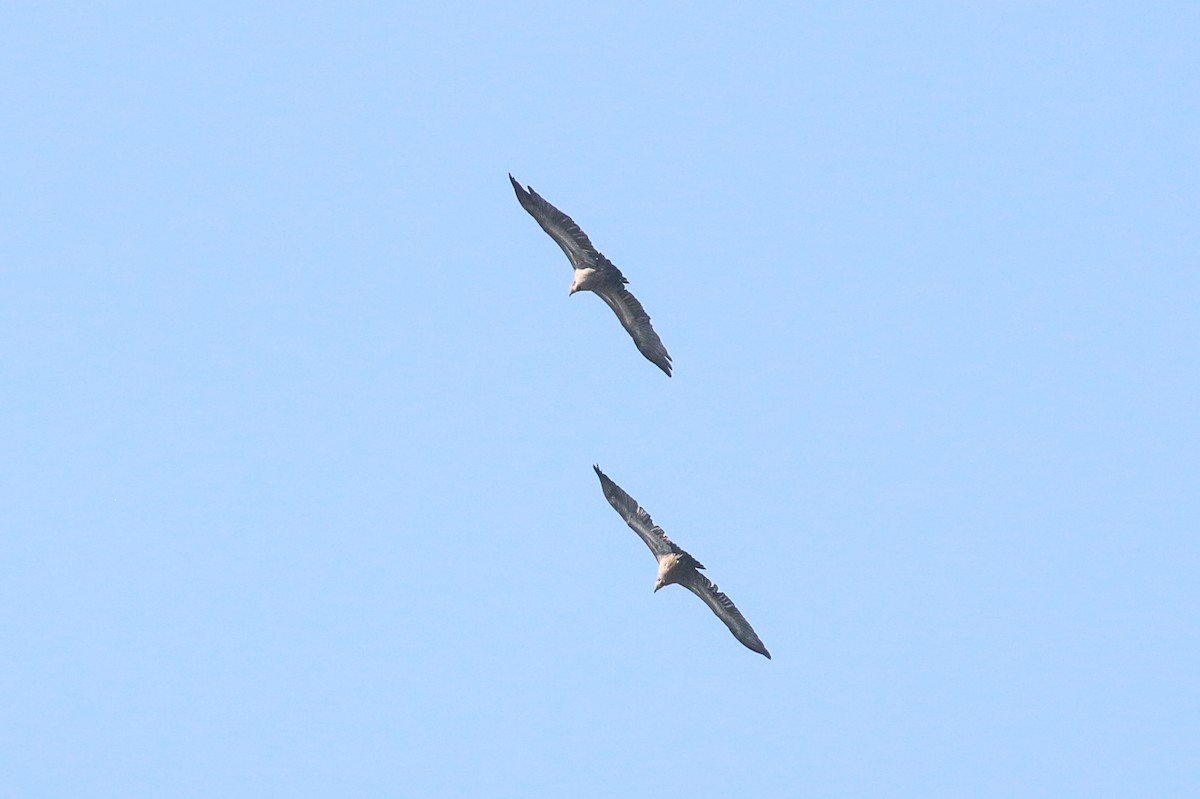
(298, 418)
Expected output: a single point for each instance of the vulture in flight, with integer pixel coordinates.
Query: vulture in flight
(677, 566)
(595, 273)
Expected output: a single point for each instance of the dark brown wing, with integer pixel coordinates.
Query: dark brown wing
(726, 611)
(636, 322)
(637, 519)
(562, 228)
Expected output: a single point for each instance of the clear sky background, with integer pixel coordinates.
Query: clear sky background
(298, 419)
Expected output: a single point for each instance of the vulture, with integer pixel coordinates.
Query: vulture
(595, 273)
(677, 566)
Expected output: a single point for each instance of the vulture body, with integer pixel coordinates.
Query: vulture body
(677, 566)
(595, 273)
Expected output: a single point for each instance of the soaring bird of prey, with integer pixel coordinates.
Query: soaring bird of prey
(595, 273)
(677, 566)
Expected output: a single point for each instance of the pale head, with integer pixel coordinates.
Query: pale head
(668, 571)
(585, 280)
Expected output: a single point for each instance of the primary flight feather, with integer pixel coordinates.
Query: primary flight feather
(595, 273)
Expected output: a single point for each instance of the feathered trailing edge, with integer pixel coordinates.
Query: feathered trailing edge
(682, 566)
(726, 611)
(601, 275)
(638, 519)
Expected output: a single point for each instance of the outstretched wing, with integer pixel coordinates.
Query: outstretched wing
(637, 518)
(726, 611)
(562, 228)
(636, 322)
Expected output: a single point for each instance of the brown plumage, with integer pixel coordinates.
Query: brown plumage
(677, 566)
(595, 273)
